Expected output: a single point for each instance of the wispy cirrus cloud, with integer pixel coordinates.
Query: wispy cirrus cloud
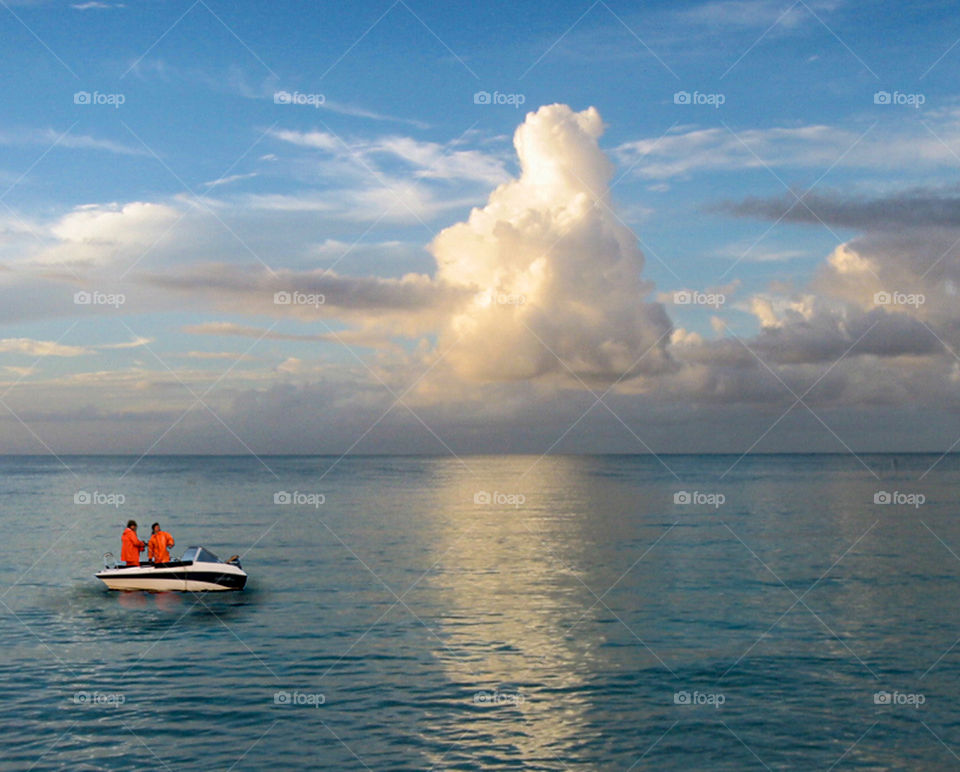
(362, 112)
(423, 160)
(41, 348)
(372, 338)
(230, 179)
(761, 14)
(254, 85)
(49, 348)
(686, 150)
(96, 5)
(66, 139)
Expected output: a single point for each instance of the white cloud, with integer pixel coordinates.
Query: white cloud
(230, 356)
(291, 365)
(230, 178)
(41, 348)
(92, 5)
(753, 13)
(371, 337)
(749, 251)
(319, 140)
(555, 275)
(426, 160)
(384, 200)
(96, 234)
(362, 112)
(48, 348)
(58, 139)
(889, 146)
(135, 343)
(22, 372)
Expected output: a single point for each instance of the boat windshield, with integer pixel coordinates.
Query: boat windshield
(199, 554)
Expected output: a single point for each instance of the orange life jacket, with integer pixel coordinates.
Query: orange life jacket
(131, 547)
(157, 547)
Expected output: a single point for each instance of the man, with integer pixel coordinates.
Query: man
(158, 544)
(130, 545)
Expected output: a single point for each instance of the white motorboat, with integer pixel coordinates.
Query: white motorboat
(197, 571)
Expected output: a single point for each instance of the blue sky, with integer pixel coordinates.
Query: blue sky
(193, 191)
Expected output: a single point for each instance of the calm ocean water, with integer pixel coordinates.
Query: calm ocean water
(495, 613)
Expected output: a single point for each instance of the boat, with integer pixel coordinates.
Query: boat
(197, 571)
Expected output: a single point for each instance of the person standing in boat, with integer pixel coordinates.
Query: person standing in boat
(159, 542)
(130, 545)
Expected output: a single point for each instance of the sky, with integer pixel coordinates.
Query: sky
(382, 227)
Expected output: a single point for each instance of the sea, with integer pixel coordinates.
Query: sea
(610, 612)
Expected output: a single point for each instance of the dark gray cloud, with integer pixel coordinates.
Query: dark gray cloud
(414, 292)
(827, 337)
(913, 208)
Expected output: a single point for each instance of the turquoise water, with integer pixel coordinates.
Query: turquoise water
(491, 613)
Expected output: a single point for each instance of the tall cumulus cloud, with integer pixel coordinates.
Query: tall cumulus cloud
(555, 275)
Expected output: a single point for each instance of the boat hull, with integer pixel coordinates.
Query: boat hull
(198, 577)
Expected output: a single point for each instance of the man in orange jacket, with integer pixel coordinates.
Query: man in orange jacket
(158, 544)
(130, 545)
